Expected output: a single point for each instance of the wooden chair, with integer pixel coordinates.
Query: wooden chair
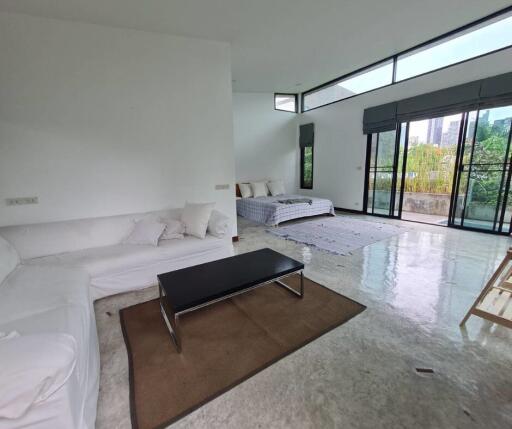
(495, 301)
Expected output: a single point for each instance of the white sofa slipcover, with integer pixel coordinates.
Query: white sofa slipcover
(41, 300)
(64, 267)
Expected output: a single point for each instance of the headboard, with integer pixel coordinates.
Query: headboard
(238, 193)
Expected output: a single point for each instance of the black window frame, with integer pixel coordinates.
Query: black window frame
(394, 58)
(296, 98)
(302, 156)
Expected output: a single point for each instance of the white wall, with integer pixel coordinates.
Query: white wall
(265, 140)
(340, 146)
(100, 121)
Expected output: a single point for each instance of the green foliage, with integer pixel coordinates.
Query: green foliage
(430, 169)
(308, 166)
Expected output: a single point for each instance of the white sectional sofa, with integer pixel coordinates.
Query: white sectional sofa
(50, 274)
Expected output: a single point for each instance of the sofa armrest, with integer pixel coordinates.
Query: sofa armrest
(32, 368)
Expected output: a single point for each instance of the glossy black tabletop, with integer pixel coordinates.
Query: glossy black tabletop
(193, 286)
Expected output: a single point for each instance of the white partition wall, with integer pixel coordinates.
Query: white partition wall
(99, 121)
(265, 140)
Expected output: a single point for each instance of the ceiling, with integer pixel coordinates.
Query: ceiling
(280, 45)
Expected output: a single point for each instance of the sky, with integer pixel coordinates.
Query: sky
(420, 128)
(477, 42)
(496, 35)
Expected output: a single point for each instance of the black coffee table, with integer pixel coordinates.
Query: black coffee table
(189, 289)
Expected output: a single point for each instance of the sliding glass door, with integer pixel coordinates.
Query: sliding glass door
(382, 173)
(453, 170)
(481, 198)
(431, 155)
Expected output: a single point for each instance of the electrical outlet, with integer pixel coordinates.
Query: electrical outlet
(21, 201)
(221, 187)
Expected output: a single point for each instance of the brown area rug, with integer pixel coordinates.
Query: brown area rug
(222, 345)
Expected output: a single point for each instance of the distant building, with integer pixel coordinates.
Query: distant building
(502, 124)
(451, 136)
(435, 131)
(484, 117)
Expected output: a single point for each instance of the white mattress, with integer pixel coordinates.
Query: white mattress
(269, 211)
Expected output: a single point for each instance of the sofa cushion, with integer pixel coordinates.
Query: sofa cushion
(32, 368)
(9, 259)
(119, 258)
(219, 224)
(44, 239)
(174, 229)
(33, 289)
(195, 218)
(145, 231)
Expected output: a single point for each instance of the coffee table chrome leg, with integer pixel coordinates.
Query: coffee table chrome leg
(176, 337)
(172, 332)
(300, 292)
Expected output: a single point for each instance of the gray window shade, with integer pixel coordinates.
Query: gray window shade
(380, 118)
(307, 135)
(456, 99)
(498, 86)
(443, 102)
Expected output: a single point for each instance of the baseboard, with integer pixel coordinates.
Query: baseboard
(235, 238)
(349, 210)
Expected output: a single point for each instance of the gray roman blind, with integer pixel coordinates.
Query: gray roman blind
(380, 118)
(307, 135)
(497, 89)
(443, 102)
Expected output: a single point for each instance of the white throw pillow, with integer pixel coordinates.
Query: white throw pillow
(9, 259)
(174, 229)
(219, 224)
(245, 190)
(145, 231)
(276, 188)
(259, 189)
(32, 368)
(196, 218)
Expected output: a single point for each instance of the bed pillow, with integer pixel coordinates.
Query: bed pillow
(9, 259)
(145, 232)
(32, 368)
(195, 217)
(174, 229)
(276, 188)
(219, 224)
(259, 189)
(245, 190)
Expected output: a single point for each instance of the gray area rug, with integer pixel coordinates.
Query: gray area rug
(339, 235)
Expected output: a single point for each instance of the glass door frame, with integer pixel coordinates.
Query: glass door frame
(396, 212)
(391, 214)
(506, 174)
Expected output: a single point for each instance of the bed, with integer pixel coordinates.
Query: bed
(269, 211)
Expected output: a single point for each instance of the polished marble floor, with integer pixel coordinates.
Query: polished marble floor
(417, 287)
